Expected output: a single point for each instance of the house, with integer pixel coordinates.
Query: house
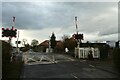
(42, 46)
(59, 46)
(45, 45)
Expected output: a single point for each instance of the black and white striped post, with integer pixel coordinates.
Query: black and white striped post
(78, 40)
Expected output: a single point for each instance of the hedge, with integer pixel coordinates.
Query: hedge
(10, 70)
(116, 58)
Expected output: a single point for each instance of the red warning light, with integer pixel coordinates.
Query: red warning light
(2, 28)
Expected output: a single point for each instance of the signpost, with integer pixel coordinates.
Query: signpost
(17, 42)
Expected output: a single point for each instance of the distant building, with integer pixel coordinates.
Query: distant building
(93, 44)
(59, 46)
(111, 43)
(45, 44)
(99, 50)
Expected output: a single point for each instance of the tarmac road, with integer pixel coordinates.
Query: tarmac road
(65, 69)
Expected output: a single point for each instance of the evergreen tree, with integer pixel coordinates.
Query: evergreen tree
(53, 41)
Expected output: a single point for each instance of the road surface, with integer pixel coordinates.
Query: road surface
(66, 67)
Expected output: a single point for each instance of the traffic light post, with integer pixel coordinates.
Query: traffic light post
(9, 33)
(78, 38)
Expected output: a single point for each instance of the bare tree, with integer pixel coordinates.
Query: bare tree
(24, 42)
(68, 42)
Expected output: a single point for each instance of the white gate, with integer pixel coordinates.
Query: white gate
(38, 58)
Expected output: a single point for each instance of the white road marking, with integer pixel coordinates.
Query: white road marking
(91, 65)
(75, 76)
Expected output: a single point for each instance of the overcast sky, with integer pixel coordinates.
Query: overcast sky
(98, 21)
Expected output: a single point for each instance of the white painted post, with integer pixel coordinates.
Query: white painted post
(79, 53)
(76, 52)
(83, 53)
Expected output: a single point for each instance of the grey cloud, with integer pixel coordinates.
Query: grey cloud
(61, 14)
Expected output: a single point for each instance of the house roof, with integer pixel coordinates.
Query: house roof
(59, 44)
(44, 43)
